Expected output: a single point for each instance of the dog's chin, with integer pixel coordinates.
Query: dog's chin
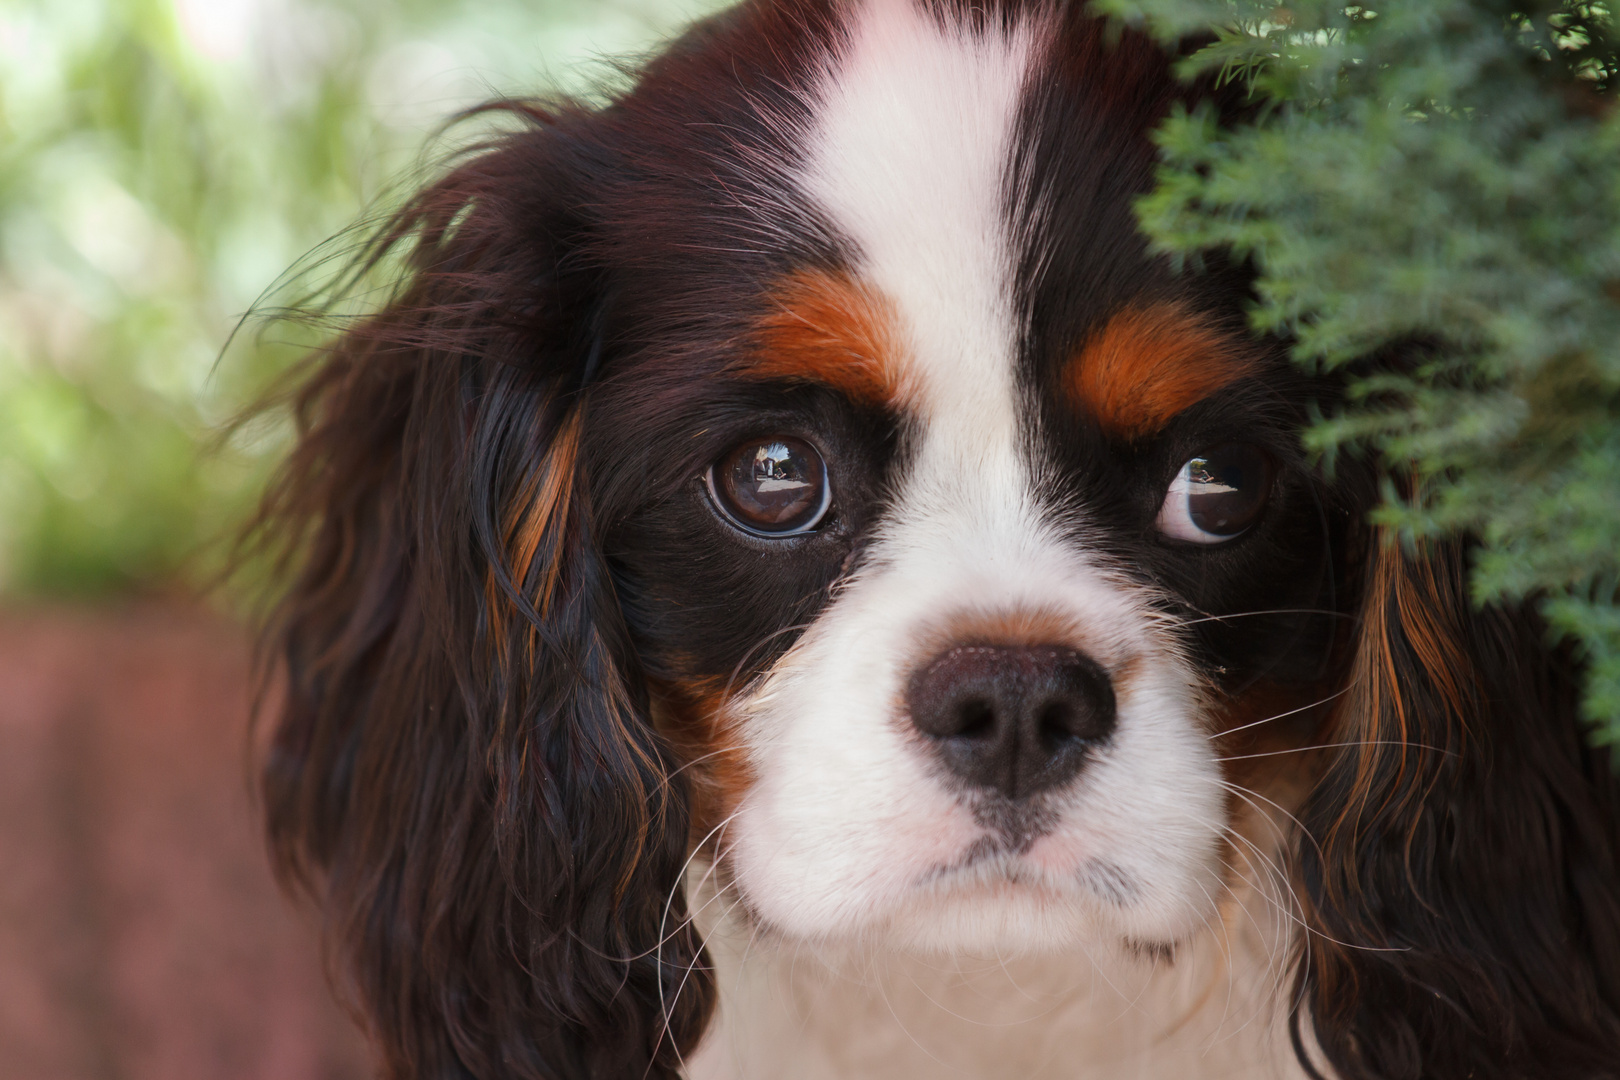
(1004, 908)
(994, 918)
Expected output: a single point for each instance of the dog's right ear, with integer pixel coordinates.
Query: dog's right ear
(461, 767)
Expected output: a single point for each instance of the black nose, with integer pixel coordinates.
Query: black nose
(1018, 719)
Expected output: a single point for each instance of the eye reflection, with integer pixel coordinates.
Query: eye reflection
(1218, 495)
(771, 487)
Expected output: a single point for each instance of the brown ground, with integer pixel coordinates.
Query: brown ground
(140, 933)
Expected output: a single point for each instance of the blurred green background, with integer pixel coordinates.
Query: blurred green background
(162, 164)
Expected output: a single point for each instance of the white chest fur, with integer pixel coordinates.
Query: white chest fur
(1219, 1009)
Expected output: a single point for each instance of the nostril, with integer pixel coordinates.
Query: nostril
(1055, 723)
(1080, 701)
(975, 719)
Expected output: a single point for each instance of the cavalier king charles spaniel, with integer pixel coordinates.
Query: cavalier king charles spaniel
(793, 585)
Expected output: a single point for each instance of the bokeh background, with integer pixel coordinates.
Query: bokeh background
(167, 169)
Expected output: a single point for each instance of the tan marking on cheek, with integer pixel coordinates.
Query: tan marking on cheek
(1251, 729)
(1149, 363)
(1265, 740)
(828, 328)
(692, 716)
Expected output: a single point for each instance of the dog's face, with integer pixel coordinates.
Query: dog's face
(955, 584)
(802, 467)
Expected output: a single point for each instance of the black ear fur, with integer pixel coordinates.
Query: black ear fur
(461, 767)
(1462, 857)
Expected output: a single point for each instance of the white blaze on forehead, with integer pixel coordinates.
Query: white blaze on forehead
(909, 156)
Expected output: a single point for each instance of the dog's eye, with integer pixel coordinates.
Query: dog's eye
(771, 487)
(1217, 495)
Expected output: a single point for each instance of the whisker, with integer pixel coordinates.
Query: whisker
(753, 936)
(1248, 794)
(1244, 794)
(685, 977)
(1283, 878)
(1287, 912)
(1337, 745)
(753, 649)
(1231, 987)
(1227, 950)
(669, 903)
(1179, 624)
(665, 1006)
(1051, 1006)
(673, 773)
(1098, 971)
(1025, 994)
(883, 992)
(1277, 872)
(1281, 715)
(1277, 962)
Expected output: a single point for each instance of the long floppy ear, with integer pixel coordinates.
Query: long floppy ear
(462, 768)
(1460, 859)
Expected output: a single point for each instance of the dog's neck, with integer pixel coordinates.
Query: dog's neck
(1218, 1008)
(798, 1015)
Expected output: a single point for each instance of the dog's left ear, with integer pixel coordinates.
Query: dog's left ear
(1461, 856)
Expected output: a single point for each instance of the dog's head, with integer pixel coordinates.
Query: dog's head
(803, 464)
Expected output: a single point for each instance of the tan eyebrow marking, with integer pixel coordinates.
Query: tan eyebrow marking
(1149, 363)
(829, 328)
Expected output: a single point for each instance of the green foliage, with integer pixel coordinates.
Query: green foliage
(161, 163)
(1438, 180)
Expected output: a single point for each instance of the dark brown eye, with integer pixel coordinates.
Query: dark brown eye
(1217, 495)
(771, 487)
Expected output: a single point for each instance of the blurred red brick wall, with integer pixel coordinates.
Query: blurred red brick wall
(141, 937)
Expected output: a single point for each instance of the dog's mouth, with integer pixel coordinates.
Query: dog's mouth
(998, 862)
(1006, 854)
(1006, 892)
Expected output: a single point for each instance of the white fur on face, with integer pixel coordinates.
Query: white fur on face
(851, 829)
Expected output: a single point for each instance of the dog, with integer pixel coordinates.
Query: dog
(793, 585)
